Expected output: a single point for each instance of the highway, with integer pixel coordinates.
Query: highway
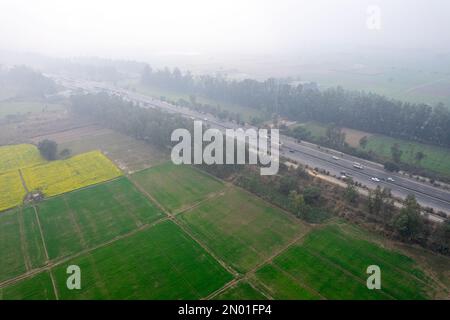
(305, 153)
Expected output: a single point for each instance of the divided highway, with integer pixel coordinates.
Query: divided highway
(306, 153)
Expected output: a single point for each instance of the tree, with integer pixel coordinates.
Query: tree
(335, 136)
(419, 156)
(409, 223)
(28, 82)
(363, 142)
(396, 153)
(300, 133)
(311, 195)
(297, 201)
(441, 238)
(351, 194)
(48, 149)
(381, 204)
(391, 166)
(287, 184)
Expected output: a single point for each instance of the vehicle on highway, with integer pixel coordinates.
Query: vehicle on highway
(335, 158)
(390, 179)
(357, 165)
(291, 151)
(375, 179)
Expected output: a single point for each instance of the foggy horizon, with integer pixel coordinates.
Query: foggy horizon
(192, 28)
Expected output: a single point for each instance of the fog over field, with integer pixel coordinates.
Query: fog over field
(139, 29)
(225, 150)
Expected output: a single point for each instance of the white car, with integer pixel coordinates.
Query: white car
(390, 179)
(335, 158)
(357, 165)
(375, 179)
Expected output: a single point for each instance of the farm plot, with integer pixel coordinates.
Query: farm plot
(241, 291)
(62, 176)
(129, 154)
(401, 277)
(435, 158)
(280, 285)
(241, 228)
(27, 107)
(85, 218)
(176, 187)
(158, 263)
(38, 287)
(12, 191)
(19, 156)
(21, 247)
(333, 264)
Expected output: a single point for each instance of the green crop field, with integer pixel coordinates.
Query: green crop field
(158, 263)
(333, 264)
(38, 287)
(436, 158)
(88, 217)
(241, 291)
(176, 187)
(280, 285)
(316, 130)
(20, 245)
(24, 107)
(127, 250)
(406, 84)
(241, 228)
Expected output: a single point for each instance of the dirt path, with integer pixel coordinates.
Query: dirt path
(209, 197)
(75, 223)
(55, 290)
(51, 264)
(41, 233)
(259, 265)
(23, 181)
(188, 232)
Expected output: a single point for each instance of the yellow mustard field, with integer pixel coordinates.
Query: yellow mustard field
(19, 156)
(12, 191)
(62, 176)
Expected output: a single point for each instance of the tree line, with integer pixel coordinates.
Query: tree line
(148, 124)
(354, 109)
(25, 82)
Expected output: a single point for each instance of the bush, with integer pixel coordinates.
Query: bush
(391, 166)
(48, 149)
(311, 195)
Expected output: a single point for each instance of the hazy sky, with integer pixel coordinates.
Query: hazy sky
(133, 28)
